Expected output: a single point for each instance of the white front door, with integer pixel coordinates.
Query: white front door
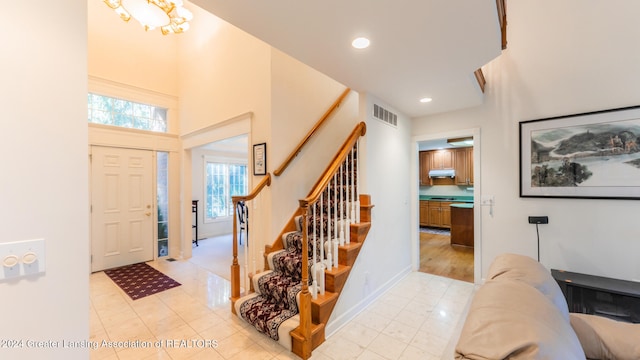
(122, 207)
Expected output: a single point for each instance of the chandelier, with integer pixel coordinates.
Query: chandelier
(168, 15)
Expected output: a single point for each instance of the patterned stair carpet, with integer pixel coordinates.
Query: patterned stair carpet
(140, 280)
(273, 308)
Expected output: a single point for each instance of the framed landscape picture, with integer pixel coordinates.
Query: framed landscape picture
(590, 155)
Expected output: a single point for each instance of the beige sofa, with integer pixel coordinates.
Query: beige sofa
(520, 313)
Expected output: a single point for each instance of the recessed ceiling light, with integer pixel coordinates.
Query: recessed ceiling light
(360, 43)
(426, 100)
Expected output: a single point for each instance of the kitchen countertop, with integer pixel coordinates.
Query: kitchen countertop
(460, 199)
(463, 206)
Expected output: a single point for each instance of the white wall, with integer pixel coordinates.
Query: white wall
(125, 53)
(225, 75)
(44, 182)
(385, 257)
(581, 59)
(301, 95)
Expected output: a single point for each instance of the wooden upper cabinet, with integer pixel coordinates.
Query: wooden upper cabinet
(464, 166)
(442, 159)
(470, 162)
(425, 166)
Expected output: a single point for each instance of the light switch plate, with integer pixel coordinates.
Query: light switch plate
(487, 200)
(26, 265)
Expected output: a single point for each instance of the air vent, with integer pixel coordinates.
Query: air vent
(385, 115)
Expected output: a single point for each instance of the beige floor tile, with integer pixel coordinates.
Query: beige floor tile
(387, 346)
(415, 319)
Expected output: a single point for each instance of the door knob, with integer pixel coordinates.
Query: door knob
(148, 213)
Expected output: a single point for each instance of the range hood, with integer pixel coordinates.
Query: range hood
(442, 173)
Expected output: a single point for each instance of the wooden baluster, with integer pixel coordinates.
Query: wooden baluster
(235, 267)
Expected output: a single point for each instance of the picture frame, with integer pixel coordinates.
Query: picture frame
(260, 159)
(594, 155)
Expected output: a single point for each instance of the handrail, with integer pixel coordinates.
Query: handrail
(311, 132)
(266, 181)
(235, 266)
(502, 19)
(335, 164)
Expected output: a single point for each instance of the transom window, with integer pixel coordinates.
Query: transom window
(107, 110)
(223, 180)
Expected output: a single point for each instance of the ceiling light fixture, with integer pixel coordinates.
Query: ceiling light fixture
(426, 100)
(169, 15)
(360, 43)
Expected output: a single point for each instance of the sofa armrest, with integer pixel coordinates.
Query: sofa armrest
(606, 339)
(508, 319)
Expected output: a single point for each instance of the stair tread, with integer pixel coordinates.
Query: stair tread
(338, 270)
(322, 299)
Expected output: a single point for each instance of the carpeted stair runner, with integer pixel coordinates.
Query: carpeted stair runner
(273, 308)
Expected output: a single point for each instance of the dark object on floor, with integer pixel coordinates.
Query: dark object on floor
(432, 230)
(170, 259)
(140, 280)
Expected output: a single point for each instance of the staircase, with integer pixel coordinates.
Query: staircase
(309, 263)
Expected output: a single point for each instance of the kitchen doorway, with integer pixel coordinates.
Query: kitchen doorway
(446, 196)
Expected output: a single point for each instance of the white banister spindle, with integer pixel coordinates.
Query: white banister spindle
(322, 241)
(347, 225)
(341, 189)
(335, 220)
(353, 189)
(357, 180)
(328, 242)
(314, 284)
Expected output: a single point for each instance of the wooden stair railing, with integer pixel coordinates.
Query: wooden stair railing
(502, 19)
(235, 266)
(302, 336)
(311, 132)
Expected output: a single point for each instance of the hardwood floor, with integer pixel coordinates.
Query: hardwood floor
(438, 257)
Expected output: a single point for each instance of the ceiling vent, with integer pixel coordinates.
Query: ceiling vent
(385, 115)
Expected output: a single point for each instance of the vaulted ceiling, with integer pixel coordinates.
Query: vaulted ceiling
(419, 48)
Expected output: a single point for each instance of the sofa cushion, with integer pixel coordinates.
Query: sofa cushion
(526, 269)
(510, 319)
(606, 339)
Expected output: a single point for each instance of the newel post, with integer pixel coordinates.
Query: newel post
(304, 330)
(235, 266)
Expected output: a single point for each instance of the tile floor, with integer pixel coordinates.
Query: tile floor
(416, 319)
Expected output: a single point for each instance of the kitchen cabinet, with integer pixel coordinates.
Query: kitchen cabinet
(442, 159)
(424, 213)
(463, 160)
(425, 166)
(439, 214)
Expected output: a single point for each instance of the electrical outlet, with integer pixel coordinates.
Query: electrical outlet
(538, 219)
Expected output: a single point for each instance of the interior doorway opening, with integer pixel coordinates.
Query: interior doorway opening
(219, 171)
(447, 241)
